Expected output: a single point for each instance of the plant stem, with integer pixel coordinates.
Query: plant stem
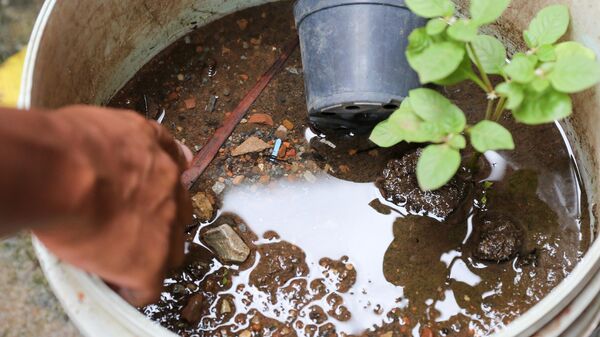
(473, 77)
(486, 79)
(488, 110)
(499, 109)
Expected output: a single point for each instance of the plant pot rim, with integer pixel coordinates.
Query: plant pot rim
(305, 8)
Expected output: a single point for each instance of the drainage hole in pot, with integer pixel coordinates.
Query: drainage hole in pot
(390, 106)
(352, 107)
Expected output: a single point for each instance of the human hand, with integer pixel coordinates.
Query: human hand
(127, 206)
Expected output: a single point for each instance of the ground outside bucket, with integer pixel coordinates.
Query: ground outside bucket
(355, 69)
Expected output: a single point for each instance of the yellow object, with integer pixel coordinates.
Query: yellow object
(10, 79)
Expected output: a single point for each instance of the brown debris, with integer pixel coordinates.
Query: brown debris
(203, 206)
(288, 125)
(242, 23)
(238, 180)
(190, 103)
(260, 119)
(250, 145)
(192, 312)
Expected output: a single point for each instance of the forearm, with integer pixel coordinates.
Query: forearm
(44, 180)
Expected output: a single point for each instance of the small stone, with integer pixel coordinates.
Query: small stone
(344, 169)
(281, 132)
(238, 180)
(245, 333)
(373, 153)
(426, 332)
(197, 148)
(250, 145)
(352, 152)
(218, 187)
(192, 312)
(203, 206)
(293, 70)
(288, 125)
(387, 334)
(256, 41)
(227, 244)
(245, 45)
(225, 307)
(264, 179)
(243, 121)
(309, 177)
(179, 129)
(242, 23)
(178, 289)
(173, 96)
(282, 150)
(244, 77)
(291, 153)
(260, 119)
(226, 92)
(187, 39)
(180, 77)
(190, 103)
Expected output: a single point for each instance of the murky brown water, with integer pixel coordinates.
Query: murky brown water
(329, 255)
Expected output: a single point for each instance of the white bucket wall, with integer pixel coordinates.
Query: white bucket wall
(84, 51)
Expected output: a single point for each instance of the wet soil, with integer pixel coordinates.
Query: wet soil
(331, 255)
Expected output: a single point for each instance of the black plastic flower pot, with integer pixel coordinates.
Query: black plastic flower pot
(355, 70)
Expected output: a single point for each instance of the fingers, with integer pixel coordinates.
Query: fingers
(184, 218)
(142, 296)
(187, 153)
(170, 146)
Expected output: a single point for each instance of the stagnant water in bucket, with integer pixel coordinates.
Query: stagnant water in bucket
(330, 256)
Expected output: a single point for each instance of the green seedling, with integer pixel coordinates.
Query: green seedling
(535, 85)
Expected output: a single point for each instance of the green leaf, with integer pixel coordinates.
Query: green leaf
(436, 26)
(431, 8)
(418, 41)
(436, 166)
(539, 84)
(437, 61)
(546, 53)
(520, 69)
(487, 11)
(386, 134)
(544, 107)
(570, 48)
(490, 136)
(463, 72)
(457, 142)
(463, 30)
(513, 92)
(432, 107)
(412, 128)
(549, 25)
(574, 73)
(491, 53)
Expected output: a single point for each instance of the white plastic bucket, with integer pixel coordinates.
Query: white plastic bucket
(85, 51)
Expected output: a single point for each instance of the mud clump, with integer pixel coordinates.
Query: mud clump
(498, 238)
(279, 262)
(399, 185)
